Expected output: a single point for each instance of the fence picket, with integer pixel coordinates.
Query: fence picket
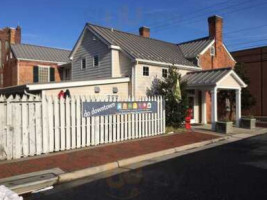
(73, 123)
(9, 150)
(38, 127)
(83, 136)
(68, 126)
(62, 123)
(45, 139)
(78, 118)
(88, 128)
(51, 129)
(56, 115)
(106, 127)
(102, 127)
(32, 141)
(17, 147)
(3, 133)
(109, 125)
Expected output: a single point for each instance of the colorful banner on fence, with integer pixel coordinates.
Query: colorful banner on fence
(92, 109)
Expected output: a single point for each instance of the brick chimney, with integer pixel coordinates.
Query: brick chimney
(15, 35)
(216, 28)
(144, 31)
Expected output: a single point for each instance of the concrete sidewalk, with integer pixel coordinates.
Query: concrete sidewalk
(74, 160)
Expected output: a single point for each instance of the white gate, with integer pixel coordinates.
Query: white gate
(34, 126)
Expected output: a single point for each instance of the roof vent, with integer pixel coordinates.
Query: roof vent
(112, 29)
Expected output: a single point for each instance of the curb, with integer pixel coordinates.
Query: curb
(70, 176)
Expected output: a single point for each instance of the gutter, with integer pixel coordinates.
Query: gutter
(142, 61)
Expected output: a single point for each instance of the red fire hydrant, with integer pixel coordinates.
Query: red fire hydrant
(188, 119)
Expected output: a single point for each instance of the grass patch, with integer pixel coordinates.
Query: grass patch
(174, 129)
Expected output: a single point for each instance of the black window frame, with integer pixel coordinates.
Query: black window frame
(83, 63)
(96, 60)
(145, 71)
(164, 73)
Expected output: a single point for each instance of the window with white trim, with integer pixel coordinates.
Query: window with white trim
(83, 63)
(145, 71)
(96, 61)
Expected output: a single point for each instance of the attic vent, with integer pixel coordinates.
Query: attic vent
(212, 51)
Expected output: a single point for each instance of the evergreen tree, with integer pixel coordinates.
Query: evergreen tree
(175, 111)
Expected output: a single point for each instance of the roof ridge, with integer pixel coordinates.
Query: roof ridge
(195, 40)
(33, 45)
(131, 34)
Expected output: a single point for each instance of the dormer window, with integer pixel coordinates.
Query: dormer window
(212, 51)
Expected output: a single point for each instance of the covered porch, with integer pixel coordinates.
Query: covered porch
(213, 81)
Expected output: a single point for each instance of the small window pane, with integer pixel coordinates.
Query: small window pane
(145, 71)
(164, 73)
(97, 89)
(96, 61)
(83, 63)
(43, 74)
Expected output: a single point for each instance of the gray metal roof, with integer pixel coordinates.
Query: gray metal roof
(205, 77)
(40, 53)
(192, 48)
(142, 48)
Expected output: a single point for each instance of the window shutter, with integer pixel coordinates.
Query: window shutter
(52, 74)
(35, 74)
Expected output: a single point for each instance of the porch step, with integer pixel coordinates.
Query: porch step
(27, 183)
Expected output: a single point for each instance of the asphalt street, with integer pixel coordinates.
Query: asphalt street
(232, 171)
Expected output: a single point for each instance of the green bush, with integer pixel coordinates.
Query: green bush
(175, 110)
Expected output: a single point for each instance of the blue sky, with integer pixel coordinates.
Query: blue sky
(58, 23)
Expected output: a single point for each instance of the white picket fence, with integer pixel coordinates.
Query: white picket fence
(34, 126)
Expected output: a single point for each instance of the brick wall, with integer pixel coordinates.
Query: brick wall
(255, 64)
(21, 72)
(221, 59)
(26, 71)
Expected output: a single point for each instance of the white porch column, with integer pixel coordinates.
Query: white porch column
(213, 107)
(203, 107)
(238, 107)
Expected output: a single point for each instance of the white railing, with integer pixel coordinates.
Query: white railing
(35, 126)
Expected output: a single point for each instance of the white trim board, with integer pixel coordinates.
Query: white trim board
(44, 61)
(206, 48)
(46, 86)
(142, 61)
(229, 53)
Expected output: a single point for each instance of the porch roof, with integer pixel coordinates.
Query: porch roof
(221, 78)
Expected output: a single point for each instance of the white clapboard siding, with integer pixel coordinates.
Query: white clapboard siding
(33, 125)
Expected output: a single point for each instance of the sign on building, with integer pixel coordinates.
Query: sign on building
(92, 109)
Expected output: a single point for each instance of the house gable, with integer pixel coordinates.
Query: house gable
(89, 46)
(221, 59)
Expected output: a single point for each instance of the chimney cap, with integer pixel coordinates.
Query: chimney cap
(144, 31)
(215, 17)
